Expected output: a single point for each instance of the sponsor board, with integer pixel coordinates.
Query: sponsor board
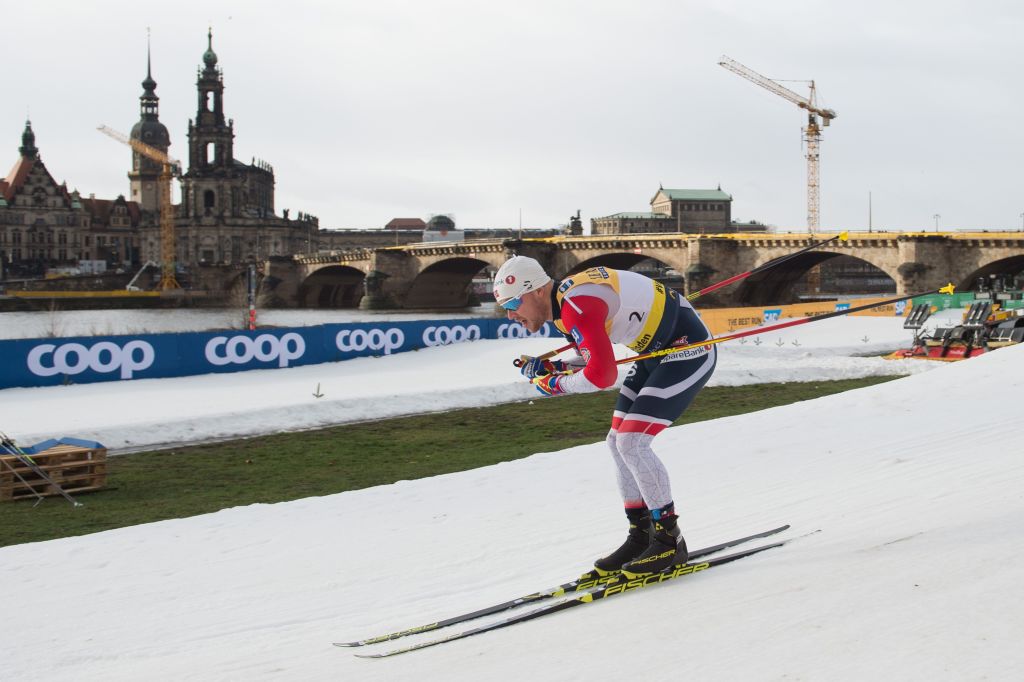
(241, 349)
(52, 362)
(103, 357)
(725, 320)
(514, 330)
(379, 341)
(442, 335)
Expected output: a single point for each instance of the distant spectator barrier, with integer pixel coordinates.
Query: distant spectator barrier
(82, 360)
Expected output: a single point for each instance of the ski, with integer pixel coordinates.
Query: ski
(620, 586)
(587, 581)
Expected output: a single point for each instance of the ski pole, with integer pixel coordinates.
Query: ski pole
(518, 362)
(23, 481)
(948, 289)
(842, 236)
(9, 445)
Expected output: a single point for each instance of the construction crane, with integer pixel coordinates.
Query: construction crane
(812, 133)
(169, 168)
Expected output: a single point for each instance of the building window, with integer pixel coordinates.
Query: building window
(209, 199)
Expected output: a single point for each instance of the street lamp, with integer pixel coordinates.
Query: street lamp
(1022, 221)
(936, 216)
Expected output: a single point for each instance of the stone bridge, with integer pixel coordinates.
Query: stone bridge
(439, 275)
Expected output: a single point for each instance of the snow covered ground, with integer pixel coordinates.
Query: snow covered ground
(915, 485)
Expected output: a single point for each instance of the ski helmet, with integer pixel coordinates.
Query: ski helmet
(517, 276)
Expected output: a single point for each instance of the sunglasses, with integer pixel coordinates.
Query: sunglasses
(513, 303)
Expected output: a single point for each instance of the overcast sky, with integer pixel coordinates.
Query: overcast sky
(374, 110)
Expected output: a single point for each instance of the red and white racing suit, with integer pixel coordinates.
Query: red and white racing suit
(602, 306)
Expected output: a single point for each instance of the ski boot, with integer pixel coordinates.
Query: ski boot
(667, 547)
(637, 541)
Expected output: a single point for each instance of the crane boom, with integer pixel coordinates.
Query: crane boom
(169, 168)
(812, 132)
(772, 86)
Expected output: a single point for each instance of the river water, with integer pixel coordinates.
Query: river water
(66, 323)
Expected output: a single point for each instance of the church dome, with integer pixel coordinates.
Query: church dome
(152, 132)
(209, 57)
(440, 223)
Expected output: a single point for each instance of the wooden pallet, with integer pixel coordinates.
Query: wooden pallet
(75, 469)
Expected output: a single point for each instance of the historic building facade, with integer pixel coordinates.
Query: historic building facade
(675, 210)
(226, 214)
(44, 227)
(227, 209)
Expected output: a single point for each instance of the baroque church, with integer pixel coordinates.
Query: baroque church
(226, 215)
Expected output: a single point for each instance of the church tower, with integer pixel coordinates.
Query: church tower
(145, 173)
(28, 142)
(211, 160)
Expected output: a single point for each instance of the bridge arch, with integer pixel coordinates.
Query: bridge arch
(333, 286)
(780, 284)
(1011, 268)
(445, 284)
(618, 261)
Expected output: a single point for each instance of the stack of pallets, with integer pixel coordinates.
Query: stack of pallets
(74, 468)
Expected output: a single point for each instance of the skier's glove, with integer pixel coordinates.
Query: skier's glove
(549, 384)
(532, 367)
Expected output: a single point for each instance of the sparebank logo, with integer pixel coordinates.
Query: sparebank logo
(518, 331)
(387, 340)
(772, 315)
(47, 359)
(901, 307)
(442, 336)
(842, 306)
(239, 350)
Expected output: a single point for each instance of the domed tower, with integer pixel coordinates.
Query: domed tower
(28, 142)
(211, 159)
(145, 173)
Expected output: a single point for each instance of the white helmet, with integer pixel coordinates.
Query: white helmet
(517, 276)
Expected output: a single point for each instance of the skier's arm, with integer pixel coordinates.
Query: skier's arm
(584, 317)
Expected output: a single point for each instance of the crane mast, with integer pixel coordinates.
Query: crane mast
(811, 132)
(169, 168)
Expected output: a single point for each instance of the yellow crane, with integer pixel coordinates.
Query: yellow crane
(812, 133)
(169, 168)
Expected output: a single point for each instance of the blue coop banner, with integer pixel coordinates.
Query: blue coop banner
(80, 360)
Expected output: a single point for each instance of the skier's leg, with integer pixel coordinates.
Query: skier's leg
(637, 514)
(670, 388)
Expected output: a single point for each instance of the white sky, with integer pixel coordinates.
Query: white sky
(370, 111)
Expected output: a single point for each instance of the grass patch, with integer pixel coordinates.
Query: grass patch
(168, 484)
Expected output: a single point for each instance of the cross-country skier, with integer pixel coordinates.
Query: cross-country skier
(594, 309)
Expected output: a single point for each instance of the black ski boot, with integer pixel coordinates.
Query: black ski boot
(667, 546)
(637, 541)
